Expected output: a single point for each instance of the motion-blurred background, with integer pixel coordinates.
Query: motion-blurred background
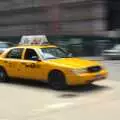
(84, 27)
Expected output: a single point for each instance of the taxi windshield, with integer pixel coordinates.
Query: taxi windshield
(54, 53)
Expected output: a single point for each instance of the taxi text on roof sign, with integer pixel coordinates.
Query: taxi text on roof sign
(33, 40)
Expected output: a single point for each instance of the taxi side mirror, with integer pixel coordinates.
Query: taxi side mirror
(39, 60)
(35, 58)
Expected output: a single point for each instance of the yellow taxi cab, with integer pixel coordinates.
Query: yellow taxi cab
(49, 63)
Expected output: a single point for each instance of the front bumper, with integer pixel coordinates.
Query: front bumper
(86, 78)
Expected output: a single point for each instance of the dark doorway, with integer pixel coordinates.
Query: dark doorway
(113, 14)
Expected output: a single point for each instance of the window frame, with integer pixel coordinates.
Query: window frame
(15, 58)
(34, 51)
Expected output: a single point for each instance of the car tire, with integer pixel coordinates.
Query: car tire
(3, 75)
(57, 80)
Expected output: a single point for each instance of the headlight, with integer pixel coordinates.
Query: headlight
(79, 71)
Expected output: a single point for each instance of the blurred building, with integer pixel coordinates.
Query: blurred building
(113, 16)
(53, 17)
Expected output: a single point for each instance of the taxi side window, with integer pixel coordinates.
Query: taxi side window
(30, 54)
(15, 53)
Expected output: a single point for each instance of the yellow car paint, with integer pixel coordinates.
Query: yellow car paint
(40, 69)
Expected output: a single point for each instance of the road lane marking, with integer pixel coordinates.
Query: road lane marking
(50, 108)
(84, 100)
(55, 106)
(59, 105)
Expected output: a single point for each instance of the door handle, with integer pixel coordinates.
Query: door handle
(6, 62)
(30, 65)
(23, 63)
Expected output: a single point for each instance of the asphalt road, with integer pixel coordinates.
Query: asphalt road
(36, 101)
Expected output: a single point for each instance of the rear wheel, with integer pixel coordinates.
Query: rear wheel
(57, 80)
(3, 75)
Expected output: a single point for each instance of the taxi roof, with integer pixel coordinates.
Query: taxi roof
(34, 41)
(34, 46)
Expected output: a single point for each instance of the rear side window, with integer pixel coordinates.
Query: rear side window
(15, 53)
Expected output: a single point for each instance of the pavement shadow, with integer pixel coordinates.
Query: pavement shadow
(29, 83)
(75, 89)
(86, 89)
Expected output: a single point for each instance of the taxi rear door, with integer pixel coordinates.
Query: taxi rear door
(12, 61)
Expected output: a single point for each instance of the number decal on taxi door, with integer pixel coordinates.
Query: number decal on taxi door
(33, 65)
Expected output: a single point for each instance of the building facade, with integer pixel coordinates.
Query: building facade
(52, 17)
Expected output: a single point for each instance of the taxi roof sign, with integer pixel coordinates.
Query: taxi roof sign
(33, 40)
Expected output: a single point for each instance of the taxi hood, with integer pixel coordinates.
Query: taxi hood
(73, 62)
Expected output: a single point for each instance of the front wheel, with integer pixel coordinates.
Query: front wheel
(57, 80)
(3, 75)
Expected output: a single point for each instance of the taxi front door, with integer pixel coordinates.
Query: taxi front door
(31, 69)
